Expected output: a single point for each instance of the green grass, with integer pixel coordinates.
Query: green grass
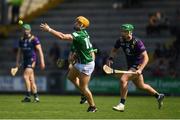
(59, 107)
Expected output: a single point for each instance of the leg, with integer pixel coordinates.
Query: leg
(33, 84)
(124, 79)
(72, 76)
(34, 87)
(81, 81)
(84, 81)
(124, 86)
(139, 82)
(123, 90)
(26, 76)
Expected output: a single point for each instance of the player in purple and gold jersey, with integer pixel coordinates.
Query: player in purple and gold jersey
(137, 59)
(29, 46)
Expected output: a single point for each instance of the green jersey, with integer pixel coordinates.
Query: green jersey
(82, 46)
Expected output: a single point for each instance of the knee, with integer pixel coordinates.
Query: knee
(71, 77)
(25, 77)
(83, 88)
(124, 80)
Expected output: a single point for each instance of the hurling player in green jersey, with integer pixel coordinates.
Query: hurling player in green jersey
(80, 73)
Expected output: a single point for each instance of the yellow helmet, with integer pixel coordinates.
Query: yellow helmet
(83, 20)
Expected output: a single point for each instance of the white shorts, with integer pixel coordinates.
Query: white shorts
(85, 68)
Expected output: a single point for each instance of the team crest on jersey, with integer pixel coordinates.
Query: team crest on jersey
(132, 46)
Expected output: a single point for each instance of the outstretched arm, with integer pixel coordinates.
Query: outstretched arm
(60, 35)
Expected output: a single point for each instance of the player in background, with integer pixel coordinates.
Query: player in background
(137, 59)
(29, 46)
(81, 71)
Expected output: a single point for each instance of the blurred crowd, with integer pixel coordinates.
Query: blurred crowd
(165, 61)
(10, 10)
(159, 22)
(165, 57)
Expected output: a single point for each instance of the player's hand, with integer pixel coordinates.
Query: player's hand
(45, 27)
(139, 72)
(72, 58)
(109, 62)
(70, 66)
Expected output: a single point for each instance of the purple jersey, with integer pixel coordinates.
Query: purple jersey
(27, 46)
(132, 50)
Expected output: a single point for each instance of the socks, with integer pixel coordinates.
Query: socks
(35, 95)
(83, 96)
(156, 95)
(122, 101)
(28, 94)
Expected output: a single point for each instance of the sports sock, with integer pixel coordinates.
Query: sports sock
(156, 95)
(122, 101)
(35, 95)
(83, 96)
(28, 94)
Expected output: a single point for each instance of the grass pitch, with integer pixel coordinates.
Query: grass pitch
(68, 107)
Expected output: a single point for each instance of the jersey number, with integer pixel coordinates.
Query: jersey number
(88, 44)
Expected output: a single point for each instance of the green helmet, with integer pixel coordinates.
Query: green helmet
(26, 26)
(127, 27)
